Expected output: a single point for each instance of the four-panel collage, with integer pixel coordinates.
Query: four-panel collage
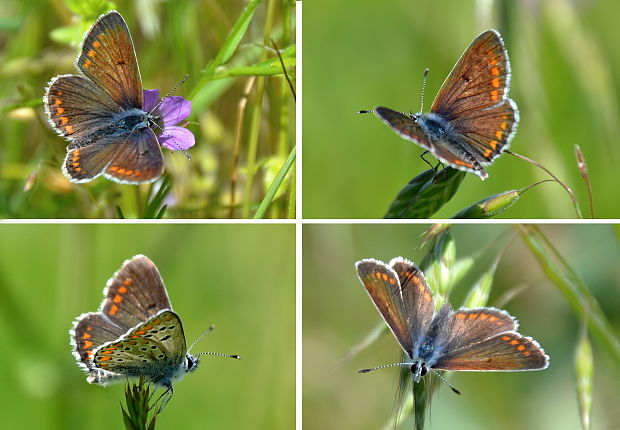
(442, 251)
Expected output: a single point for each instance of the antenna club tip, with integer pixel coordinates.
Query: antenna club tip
(238, 357)
(364, 370)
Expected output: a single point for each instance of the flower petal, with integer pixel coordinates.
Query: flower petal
(174, 109)
(149, 99)
(177, 138)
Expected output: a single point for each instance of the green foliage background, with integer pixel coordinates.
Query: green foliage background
(39, 39)
(338, 314)
(566, 72)
(239, 277)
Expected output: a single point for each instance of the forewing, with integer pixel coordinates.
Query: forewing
(135, 293)
(77, 108)
(109, 60)
(137, 160)
(503, 352)
(152, 348)
(418, 299)
(479, 80)
(404, 125)
(383, 287)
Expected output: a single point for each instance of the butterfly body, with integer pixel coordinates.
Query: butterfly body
(100, 111)
(479, 339)
(472, 120)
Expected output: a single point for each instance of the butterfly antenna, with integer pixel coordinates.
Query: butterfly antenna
(176, 87)
(383, 367)
(447, 383)
(238, 357)
(423, 87)
(210, 353)
(210, 329)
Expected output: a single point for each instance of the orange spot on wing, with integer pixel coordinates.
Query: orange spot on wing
(105, 358)
(96, 44)
(392, 281)
(122, 289)
(57, 102)
(113, 169)
(495, 71)
(514, 342)
(87, 344)
(493, 318)
(63, 120)
(168, 317)
(506, 338)
(461, 316)
(113, 310)
(494, 62)
(60, 111)
(87, 63)
(495, 82)
(86, 336)
(140, 332)
(493, 143)
(521, 347)
(503, 126)
(117, 298)
(91, 53)
(121, 171)
(78, 169)
(462, 163)
(473, 316)
(69, 129)
(484, 316)
(148, 327)
(75, 164)
(494, 95)
(385, 276)
(128, 282)
(499, 135)
(427, 297)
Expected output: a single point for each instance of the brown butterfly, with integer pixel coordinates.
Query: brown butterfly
(472, 120)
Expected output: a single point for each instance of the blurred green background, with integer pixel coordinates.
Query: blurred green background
(566, 77)
(239, 277)
(243, 117)
(338, 314)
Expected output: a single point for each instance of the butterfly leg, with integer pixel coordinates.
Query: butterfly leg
(426, 161)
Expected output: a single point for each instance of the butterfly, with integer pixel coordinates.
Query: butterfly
(472, 120)
(100, 111)
(479, 339)
(135, 332)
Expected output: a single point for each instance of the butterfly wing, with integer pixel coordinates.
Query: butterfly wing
(77, 108)
(109, 60)
(418, 302)
(473, 98)
(484, 339)
(404, 125)
(503, 352)
(135, 293)
(90, 331)
(138, 159)
(155, 349)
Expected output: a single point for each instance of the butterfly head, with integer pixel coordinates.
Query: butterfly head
(418, 369)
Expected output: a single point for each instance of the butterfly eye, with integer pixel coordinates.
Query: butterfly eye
(424, 369)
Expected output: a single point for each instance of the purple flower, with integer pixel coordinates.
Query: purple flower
(171, 111)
